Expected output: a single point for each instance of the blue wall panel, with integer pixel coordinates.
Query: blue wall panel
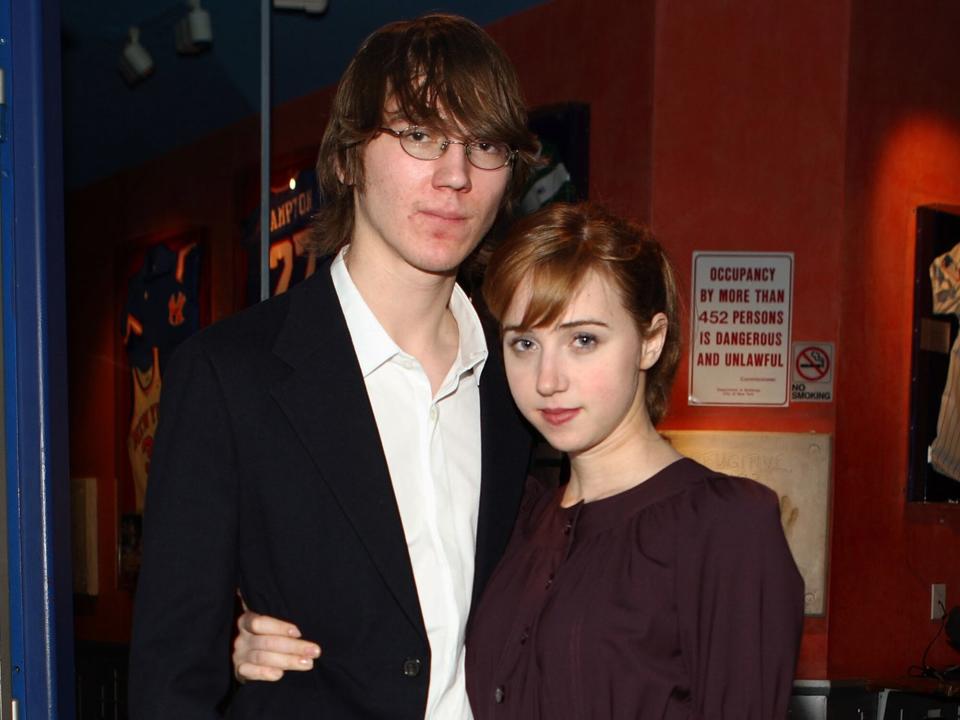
(34, 345)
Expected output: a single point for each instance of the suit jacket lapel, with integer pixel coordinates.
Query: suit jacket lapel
(505, 454)
(326, 401)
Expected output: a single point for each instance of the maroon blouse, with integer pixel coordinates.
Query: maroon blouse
(677, 598)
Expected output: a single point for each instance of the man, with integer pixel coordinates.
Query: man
(347, 453)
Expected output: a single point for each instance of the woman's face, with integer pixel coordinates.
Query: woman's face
(580, 382)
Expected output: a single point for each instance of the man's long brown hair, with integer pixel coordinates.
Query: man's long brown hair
(438, 70)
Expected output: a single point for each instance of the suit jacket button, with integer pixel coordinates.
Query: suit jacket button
(499, 695)
(411, 667)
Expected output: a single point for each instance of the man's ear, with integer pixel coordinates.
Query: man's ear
(653, 343)
(342, 165)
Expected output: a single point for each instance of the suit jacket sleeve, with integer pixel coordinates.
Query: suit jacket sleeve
(183, 614)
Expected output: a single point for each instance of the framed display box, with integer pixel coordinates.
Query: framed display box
(935, 369)
(162, 297)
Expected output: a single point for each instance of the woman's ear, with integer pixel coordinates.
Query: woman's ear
(653, 342)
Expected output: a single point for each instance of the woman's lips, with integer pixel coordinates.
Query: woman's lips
(559, 416)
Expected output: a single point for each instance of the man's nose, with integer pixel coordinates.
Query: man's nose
(452, 168)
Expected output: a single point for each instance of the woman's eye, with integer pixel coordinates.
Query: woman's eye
(584, 340)
(521, 344)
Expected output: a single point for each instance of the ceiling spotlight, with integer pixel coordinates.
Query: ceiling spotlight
(193, 32)
(315, 7)
(136, 65)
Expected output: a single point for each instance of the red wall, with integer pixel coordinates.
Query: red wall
(601, 54)
(748, 142)
(745, 125)
(903, 150)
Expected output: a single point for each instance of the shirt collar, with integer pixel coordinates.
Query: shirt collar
(472, 351)
(373, 344)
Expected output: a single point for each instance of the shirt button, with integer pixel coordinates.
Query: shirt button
(433, 413)
(499, 695)
(411, 667)
(525, 636)
(549, 581)
(568, 527)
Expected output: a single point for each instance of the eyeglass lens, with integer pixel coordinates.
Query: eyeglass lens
(429, 144)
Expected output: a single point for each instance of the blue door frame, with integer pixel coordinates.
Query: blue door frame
(35, 369)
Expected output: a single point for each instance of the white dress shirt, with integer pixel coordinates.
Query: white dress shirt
(432, 446)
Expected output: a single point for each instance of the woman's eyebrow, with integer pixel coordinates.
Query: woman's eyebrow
(561, 326)
(580, 323)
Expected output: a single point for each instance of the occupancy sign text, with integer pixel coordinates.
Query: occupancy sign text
(740, 328)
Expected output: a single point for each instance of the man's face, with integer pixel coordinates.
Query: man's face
(426, 215)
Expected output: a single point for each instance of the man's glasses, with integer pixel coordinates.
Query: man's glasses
(429, 144)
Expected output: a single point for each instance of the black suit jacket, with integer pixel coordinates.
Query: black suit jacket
(268, 475)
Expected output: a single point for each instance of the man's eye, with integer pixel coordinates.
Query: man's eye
(420, 135)
(486, 147)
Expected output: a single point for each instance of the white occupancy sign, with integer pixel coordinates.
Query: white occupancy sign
(740, 329)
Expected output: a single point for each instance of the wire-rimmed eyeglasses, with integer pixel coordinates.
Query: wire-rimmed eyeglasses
(428, 144)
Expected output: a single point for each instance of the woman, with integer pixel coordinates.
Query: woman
(648, 586)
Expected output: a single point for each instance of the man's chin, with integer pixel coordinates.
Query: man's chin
(444, 263)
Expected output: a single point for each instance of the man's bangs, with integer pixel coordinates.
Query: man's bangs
(450, 98)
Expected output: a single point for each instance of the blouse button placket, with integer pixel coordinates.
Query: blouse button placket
(570, 531)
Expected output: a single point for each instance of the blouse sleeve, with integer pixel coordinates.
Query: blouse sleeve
(739, 602)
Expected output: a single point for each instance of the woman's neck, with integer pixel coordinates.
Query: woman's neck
(620, 464)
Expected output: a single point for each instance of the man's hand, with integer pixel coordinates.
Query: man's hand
(266, 647)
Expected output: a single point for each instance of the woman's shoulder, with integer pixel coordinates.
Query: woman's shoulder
(726, 516)
(713, 489)
(713, 499)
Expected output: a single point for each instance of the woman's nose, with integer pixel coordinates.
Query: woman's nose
(550, 376)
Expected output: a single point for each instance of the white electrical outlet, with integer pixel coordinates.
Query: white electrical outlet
(938, 600)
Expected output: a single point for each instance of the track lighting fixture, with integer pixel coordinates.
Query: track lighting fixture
(136, 65)
(314, 7)
(193, 32)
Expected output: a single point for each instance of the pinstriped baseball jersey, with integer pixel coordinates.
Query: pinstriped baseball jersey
(143, 425)
(945, 450)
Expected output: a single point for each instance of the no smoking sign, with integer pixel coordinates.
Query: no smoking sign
(812, 372)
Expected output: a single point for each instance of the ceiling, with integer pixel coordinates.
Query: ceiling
(109, 126)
